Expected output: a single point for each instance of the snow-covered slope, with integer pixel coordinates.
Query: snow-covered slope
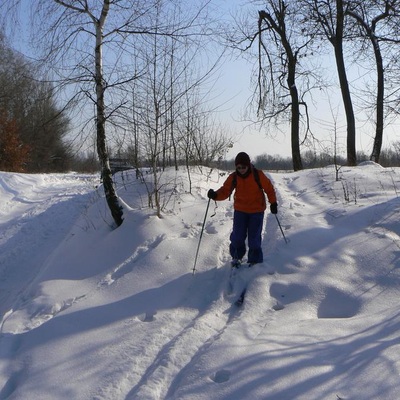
(92, 312)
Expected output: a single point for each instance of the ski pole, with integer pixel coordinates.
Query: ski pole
(201, 235)
(280, 227)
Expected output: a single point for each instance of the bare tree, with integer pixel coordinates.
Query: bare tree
(284, 44)
(282, 80)
(369, 15)
(328, 18)
(167, 88)
(173, 125)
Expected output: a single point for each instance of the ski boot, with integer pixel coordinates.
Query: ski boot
(235, 263)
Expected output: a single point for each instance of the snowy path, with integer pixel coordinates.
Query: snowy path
(34, 220)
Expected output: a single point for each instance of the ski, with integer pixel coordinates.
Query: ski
(236, 263)
(237, 266)
(232, 278)
(240, 299)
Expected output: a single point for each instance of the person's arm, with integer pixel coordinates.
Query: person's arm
(268, 187)
(223, 192)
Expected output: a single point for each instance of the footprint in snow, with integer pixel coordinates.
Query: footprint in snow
(289, 293)
(278, 307)
(21, 321)
(221, 376)
(211, 229)
(338, 304)
(148, 316)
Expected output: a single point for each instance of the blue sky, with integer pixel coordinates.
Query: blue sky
(233, 89)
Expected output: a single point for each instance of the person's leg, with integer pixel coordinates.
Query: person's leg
(237, 247)
(255, 254)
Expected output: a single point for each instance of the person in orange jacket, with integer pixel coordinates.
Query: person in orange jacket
(250, 185)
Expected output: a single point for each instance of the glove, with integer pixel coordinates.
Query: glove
(274, 208)
(212, 194)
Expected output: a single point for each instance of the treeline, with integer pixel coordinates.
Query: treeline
(32, 126)
(389, 158)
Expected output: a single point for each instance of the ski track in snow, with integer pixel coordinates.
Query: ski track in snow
(39, 222)
(160, 368)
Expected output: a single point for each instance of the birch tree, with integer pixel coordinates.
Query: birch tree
(88, 47)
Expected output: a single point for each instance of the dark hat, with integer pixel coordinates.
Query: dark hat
(242, 159)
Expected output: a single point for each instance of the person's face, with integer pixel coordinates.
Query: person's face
(242, 168)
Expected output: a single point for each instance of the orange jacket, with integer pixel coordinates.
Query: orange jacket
(248, 196)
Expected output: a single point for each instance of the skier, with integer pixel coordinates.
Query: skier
(250, 185)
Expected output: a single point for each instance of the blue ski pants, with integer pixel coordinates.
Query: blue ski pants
(247, 225)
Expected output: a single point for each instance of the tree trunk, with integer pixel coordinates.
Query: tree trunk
(280, 28)
(344, 86)
(295, 109)
(348, 106)
(109, 190)
(297, 163)
(380, 73)
(376, 150)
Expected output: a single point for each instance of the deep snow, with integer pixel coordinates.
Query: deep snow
(92, 312)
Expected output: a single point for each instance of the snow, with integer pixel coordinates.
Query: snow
(88, 311)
